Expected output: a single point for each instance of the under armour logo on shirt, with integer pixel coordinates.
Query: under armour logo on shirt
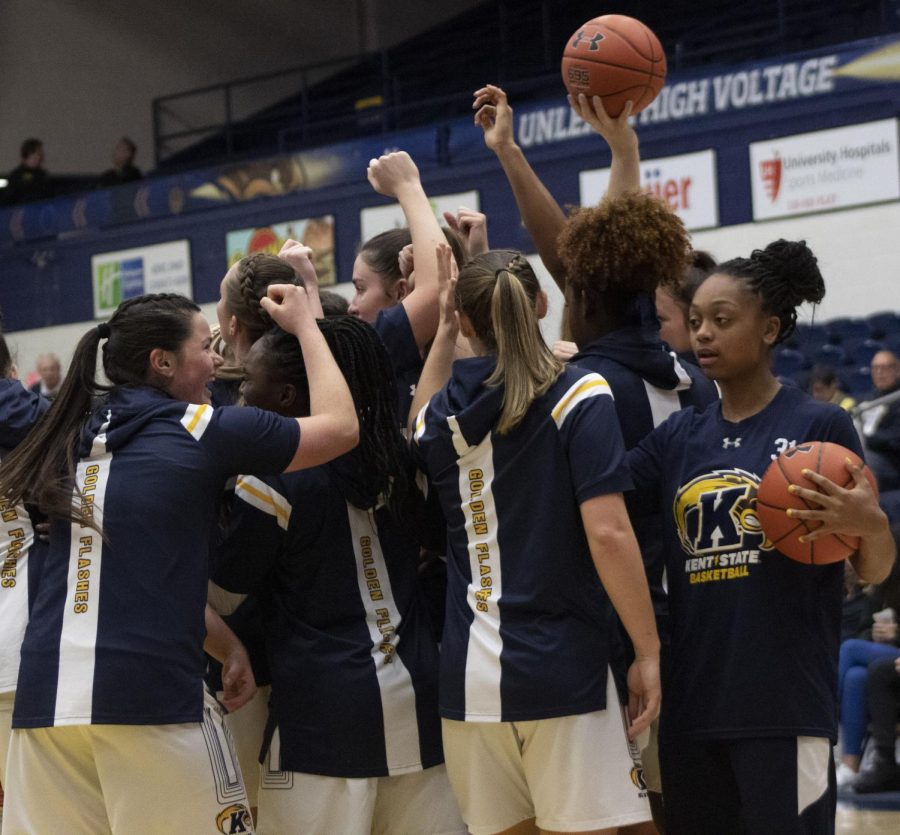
(729, 442)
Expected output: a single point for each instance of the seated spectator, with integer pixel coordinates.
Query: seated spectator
(29, 180)
(878, 639)
(881, 425)
(825, 385)
(50, 372)
(124, 170)
(882, 774)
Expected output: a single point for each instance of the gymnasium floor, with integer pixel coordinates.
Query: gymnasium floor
(865, 822)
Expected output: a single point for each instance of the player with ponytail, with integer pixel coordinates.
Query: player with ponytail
(528, 463)
(353, 740)
(750, 708)
(110, 691)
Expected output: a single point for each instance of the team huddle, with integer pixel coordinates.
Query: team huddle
(481, 585)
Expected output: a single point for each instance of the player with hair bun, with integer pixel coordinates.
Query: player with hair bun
(527, 458)
(750, 709)
(112, 730)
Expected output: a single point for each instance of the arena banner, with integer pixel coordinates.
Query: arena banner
(687, 183)
(377, 219)
(160, 268)
(695, 109)
(826, 169)
(759, 85)
(315, 232)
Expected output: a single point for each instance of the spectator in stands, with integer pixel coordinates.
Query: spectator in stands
(879, 637)
(881, 424)
(29, 180)
(50, 372)
(825, 385)
(882, 774)
(124, 170)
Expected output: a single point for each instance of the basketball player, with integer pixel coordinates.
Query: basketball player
(528, 462)
(609, 276)
(354, 739)
(750, 712)
(20, 410)
(111, 732)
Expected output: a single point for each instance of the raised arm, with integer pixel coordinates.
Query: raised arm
(332, 427)
(541, 214)
(440, 358)
(396, 175)
(617, 558)
(299, 256)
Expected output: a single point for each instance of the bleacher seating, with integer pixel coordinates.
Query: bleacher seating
(518, 44)
(845, 344)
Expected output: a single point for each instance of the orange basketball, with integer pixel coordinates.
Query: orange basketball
(617, 58)
(773, 499)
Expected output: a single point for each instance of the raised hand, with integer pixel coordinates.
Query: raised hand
(494, 116)
(472, 229)
(618, 132)
(299, 256)
(447, 275)
(288, 305)
(390, 173)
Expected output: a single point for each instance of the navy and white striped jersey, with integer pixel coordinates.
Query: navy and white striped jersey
(20, 410)
(393, 326)
(527, 617)
(755, 635)
(117, 628)
(353, 661)
(648, 383)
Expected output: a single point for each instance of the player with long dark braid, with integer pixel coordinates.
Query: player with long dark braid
(354, 737)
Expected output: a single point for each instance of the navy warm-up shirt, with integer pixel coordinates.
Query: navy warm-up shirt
(649, 384)
(353, 660)
(117, 628)
(393, 326)
(526, 633)
(755, 634)
(20, 410)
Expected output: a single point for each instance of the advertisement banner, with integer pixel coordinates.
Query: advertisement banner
(687, 183)
(379, 219)
(826, 169)
(160, 268)
(315, 232)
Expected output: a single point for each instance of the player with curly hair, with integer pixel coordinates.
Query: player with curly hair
(609, 261)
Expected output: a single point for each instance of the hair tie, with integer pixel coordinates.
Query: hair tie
(501, 270)
(103, 330)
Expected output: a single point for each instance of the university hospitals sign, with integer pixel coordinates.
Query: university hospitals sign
(827, 169)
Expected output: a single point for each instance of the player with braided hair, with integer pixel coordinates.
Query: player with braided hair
(110, 692)
(750, 708)
(354, 735)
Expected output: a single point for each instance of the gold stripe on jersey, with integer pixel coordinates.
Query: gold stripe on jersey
(590, 385)
(196, 419)
(261, 496)
(420, 424)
